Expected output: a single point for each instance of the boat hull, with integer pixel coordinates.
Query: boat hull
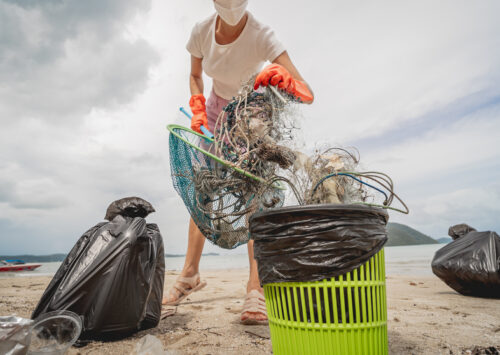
(21, 267)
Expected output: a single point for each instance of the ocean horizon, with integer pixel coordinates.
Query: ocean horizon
(400, 260)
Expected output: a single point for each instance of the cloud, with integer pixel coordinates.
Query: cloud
(376, 67)
(461, 145)
(60, 62)
(87, 88)
(446, 174)
(61, 59)
(31, 194)
(476, 205)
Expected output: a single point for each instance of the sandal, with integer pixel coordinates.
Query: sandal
(167, 311)
(254, 306)
(195, 284)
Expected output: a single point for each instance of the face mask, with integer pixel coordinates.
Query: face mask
(231, 11)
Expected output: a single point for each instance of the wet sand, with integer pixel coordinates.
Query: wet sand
(424, 317)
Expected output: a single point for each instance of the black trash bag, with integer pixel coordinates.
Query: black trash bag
(315, 242)
(459, 230)
(112, 278)
(129, 207)
(471, 264)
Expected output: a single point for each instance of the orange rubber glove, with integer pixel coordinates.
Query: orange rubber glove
(275, 74)
(197, 104)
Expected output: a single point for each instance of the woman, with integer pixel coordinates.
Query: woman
(231, 46)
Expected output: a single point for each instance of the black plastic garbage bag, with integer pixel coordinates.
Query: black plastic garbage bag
(471, 264)
(459, 230)
(314, 242)
(129, 207)
(113, 276)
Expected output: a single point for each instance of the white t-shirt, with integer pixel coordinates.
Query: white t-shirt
(231, 65)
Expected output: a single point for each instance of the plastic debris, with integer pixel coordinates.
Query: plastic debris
(14, 335)
(224, 181)
(470, 264)
(54, 333)
(149, 345)
(315, 242)
(129, 207)
(253, 158)
(113, 276)
(459, 230)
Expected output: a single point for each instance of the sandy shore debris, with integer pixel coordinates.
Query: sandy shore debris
(424, 317)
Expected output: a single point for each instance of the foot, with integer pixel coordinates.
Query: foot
(254, 308)
(183, 287)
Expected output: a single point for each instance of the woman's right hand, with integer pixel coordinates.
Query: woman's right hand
(197, 104)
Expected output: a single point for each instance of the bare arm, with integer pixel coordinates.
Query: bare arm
(196, 78)
(284, 60)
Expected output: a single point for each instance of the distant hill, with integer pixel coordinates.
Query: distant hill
(400, 234)
(60, 257)
(444, 240)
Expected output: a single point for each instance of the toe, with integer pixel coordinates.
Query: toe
(253, 316)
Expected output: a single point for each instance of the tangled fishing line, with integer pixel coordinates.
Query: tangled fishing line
(248, 139)
(247, 165)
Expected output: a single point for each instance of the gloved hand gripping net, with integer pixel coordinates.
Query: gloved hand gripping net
(225, 180)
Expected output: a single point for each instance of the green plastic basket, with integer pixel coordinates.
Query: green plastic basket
(341, 315)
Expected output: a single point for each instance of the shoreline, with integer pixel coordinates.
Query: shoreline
(405, 260)
(424, 317)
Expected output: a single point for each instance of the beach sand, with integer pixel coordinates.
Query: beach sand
(424, 317)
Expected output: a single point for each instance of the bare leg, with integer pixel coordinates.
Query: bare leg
(196, 241)
(253, 279)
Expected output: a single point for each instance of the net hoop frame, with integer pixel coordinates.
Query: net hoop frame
(171, 128)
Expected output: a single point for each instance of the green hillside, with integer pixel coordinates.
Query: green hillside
(400, 234)
(444, 240)
(60, 257)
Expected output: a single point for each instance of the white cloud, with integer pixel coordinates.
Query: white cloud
(376, 66)
(87, 88)
(476, 205)
(61, 59)
(462, 144)
(447, 175)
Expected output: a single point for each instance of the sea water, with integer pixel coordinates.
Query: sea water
(403, 260)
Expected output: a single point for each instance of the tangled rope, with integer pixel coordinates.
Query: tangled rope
(253, 137)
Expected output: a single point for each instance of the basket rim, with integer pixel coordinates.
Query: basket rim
(172, 127)
(361, 207)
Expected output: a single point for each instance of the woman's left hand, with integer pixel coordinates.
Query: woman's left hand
(275, 74)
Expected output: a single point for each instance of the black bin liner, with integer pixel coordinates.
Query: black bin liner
(459, 230)
(470, 264)
(129, 207)
(113, 276)
(315, 242)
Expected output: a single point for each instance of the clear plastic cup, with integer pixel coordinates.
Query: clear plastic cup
(53, 333)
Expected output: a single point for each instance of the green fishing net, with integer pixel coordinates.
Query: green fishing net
(243, 169)
(220, 198)
(224, 180)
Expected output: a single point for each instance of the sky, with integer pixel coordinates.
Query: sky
(87, 89)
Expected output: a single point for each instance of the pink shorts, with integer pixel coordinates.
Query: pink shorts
(214, 106)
